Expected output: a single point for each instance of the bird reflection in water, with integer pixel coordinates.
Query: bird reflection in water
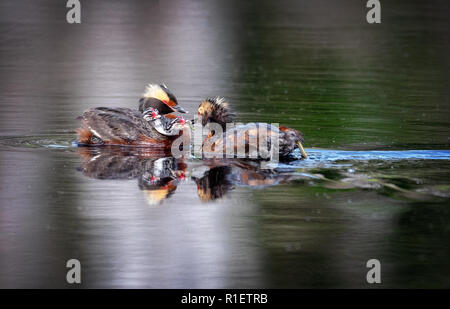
(159, 174)
(224, 176)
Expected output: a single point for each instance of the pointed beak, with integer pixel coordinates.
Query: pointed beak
(179, 109)
(302, 151)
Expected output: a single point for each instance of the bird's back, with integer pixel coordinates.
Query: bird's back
(122, 126)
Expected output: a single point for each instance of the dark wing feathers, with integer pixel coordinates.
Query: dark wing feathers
(117, 124)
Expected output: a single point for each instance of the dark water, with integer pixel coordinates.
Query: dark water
(372, 101)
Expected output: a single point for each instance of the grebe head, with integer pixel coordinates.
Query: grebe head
(161, 98)
(294, 137)
(215, 110)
